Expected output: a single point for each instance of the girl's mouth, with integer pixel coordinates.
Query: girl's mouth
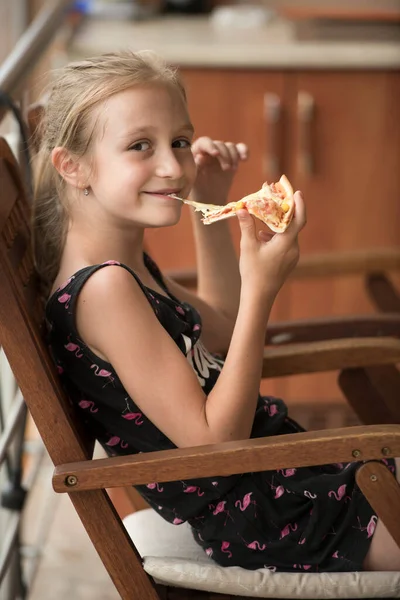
(165, 193)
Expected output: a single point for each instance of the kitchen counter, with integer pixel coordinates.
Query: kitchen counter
(194, 42)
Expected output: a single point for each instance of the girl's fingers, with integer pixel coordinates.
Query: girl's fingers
(299, 217)
(204, 145)
(228, 154)
(300, 213)
(236, 153)
(265, 236)
(242, 150)
(224, 155)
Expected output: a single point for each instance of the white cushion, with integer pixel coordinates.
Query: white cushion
(172, 557)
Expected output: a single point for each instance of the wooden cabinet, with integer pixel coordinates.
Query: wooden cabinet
(336, 135)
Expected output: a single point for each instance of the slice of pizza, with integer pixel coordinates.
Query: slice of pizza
(273, 204)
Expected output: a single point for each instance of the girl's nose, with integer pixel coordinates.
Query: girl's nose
(168, 165)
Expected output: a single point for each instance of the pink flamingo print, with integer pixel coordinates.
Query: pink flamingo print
(192, 489)
(304, 567)
(88, 404)
(220, 508)
(287, 472)
(279, 490)
(302, 541)
(224, 548)
(256, 545)
(63, 285)
(74, 348)
(180, 310)
(155, 486)
(340, 493)
(209, 551)
(137, 417)
(196, 327)
(102, 373)
(370, 528)
(271, 409)
(115, 440)
(131, 416)
(177, 520)
(245, 503)
(64, 299)
(287, 529)
(390, 467)
(154, 298)
(60, 370)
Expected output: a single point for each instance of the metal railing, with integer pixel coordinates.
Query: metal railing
(14, 72)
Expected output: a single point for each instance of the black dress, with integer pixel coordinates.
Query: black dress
(311, 518)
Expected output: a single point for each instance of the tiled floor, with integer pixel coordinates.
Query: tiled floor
(69, 568)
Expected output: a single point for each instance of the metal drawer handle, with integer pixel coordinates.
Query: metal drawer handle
(305, 115)
(272, 119)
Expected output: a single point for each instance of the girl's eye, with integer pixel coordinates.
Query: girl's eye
(181, 143)
(140, 146)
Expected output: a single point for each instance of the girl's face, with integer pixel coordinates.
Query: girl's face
(141, 154)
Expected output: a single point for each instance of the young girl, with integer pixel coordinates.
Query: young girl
(152, 366)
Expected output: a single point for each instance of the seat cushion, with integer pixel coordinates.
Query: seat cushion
(172, 557)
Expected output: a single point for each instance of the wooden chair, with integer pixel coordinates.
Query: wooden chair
(142, 571)
(382, 292)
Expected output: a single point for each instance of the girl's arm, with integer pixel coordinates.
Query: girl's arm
(115, 319)
(218, 290)
(217, 263)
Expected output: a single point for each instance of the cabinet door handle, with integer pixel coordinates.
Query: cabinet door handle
(305, 115)
(272, 119)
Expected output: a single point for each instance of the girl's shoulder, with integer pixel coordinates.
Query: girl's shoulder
(72, 285)
(64, 298)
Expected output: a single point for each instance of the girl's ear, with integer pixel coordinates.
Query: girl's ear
(70, 169)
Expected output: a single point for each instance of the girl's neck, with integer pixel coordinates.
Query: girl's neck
(85, 247)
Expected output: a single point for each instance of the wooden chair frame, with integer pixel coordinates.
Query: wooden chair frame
(70, 449)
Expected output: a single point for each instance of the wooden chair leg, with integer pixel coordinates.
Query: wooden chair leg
(364, 397)
(382, 491)
(382, 292)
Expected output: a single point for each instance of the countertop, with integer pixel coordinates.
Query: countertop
(195, 42)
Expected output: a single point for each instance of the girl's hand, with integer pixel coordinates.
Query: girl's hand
(217, 163)
(266, 259)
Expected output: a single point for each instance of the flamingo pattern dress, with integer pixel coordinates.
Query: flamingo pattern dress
(308, 519)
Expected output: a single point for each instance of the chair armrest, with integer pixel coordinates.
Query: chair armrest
(355, 262)
(329, 264)
(333, 355)
(261, 454)
(314, 330)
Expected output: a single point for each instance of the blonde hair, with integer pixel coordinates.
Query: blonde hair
(68, 122)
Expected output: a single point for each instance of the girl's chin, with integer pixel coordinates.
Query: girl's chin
(164, 222)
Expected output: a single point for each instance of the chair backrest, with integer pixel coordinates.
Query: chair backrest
(21, 314)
